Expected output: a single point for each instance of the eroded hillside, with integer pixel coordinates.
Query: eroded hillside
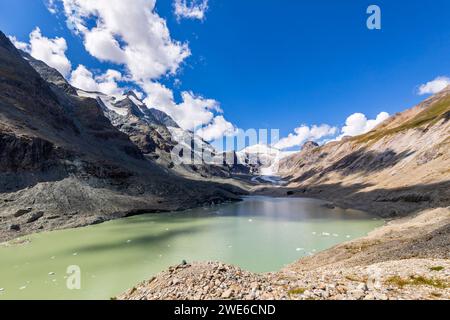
(401, 166)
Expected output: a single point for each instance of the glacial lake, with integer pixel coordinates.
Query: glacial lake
(259, 234)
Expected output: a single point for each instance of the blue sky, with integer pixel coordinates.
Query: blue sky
(281, 64)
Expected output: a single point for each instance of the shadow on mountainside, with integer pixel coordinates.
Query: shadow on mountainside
(368, 161)
(360, 161)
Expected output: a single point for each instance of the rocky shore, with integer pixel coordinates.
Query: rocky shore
(406, 259)
(404, 279)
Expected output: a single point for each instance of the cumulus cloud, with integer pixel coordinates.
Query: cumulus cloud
(129, 33)
(305, 133)
(19, 44)
(51, 51)
(132, 34)
(434, 86)
(193, 111)
(218, 128)
(193, 9)
(358, 124)
(106, 83)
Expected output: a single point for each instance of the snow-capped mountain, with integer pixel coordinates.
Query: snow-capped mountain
(157, 134)
(262, 159)
(62, 157)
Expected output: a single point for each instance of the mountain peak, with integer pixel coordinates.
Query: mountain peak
(131, 93)
(309, 145)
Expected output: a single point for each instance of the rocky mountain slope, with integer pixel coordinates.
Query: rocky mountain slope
(400, 167)
(63, 163)
(399, 170)
(153, 131)
(157, 134)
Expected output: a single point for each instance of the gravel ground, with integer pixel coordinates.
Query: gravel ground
(413, 279)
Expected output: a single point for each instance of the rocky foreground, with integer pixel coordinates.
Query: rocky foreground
(406, 259)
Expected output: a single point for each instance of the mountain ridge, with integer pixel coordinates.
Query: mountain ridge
(375, 169)
(64, 162)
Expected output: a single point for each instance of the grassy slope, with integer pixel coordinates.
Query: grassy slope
(437, 111)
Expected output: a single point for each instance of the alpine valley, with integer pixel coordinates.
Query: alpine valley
(71, 158)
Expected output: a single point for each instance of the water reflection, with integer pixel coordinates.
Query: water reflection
(259, 234)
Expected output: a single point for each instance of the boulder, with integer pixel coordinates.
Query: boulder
(14, 227)
(35, 217)
(22, 212)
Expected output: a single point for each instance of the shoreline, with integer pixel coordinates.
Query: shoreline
(121, 215)
(387, 204)
(370, 267)
(353, 260)
(51, 219)
(392, 262)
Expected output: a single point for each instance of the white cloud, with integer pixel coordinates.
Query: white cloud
(305, 133)
(193, 9)
(358, 124)
(129, 33)
(51, 6)
(192, 112)
(133, 35)
(159, 97)
(19, 44)
(106, 83)
(217, 129)
(51, 51)
(434, 86)
(101, 44)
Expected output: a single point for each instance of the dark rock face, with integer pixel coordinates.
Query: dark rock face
(59, 154)
(23, 153)
(22, 212)
(35, 217)
(14, 227)
(52, 76)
